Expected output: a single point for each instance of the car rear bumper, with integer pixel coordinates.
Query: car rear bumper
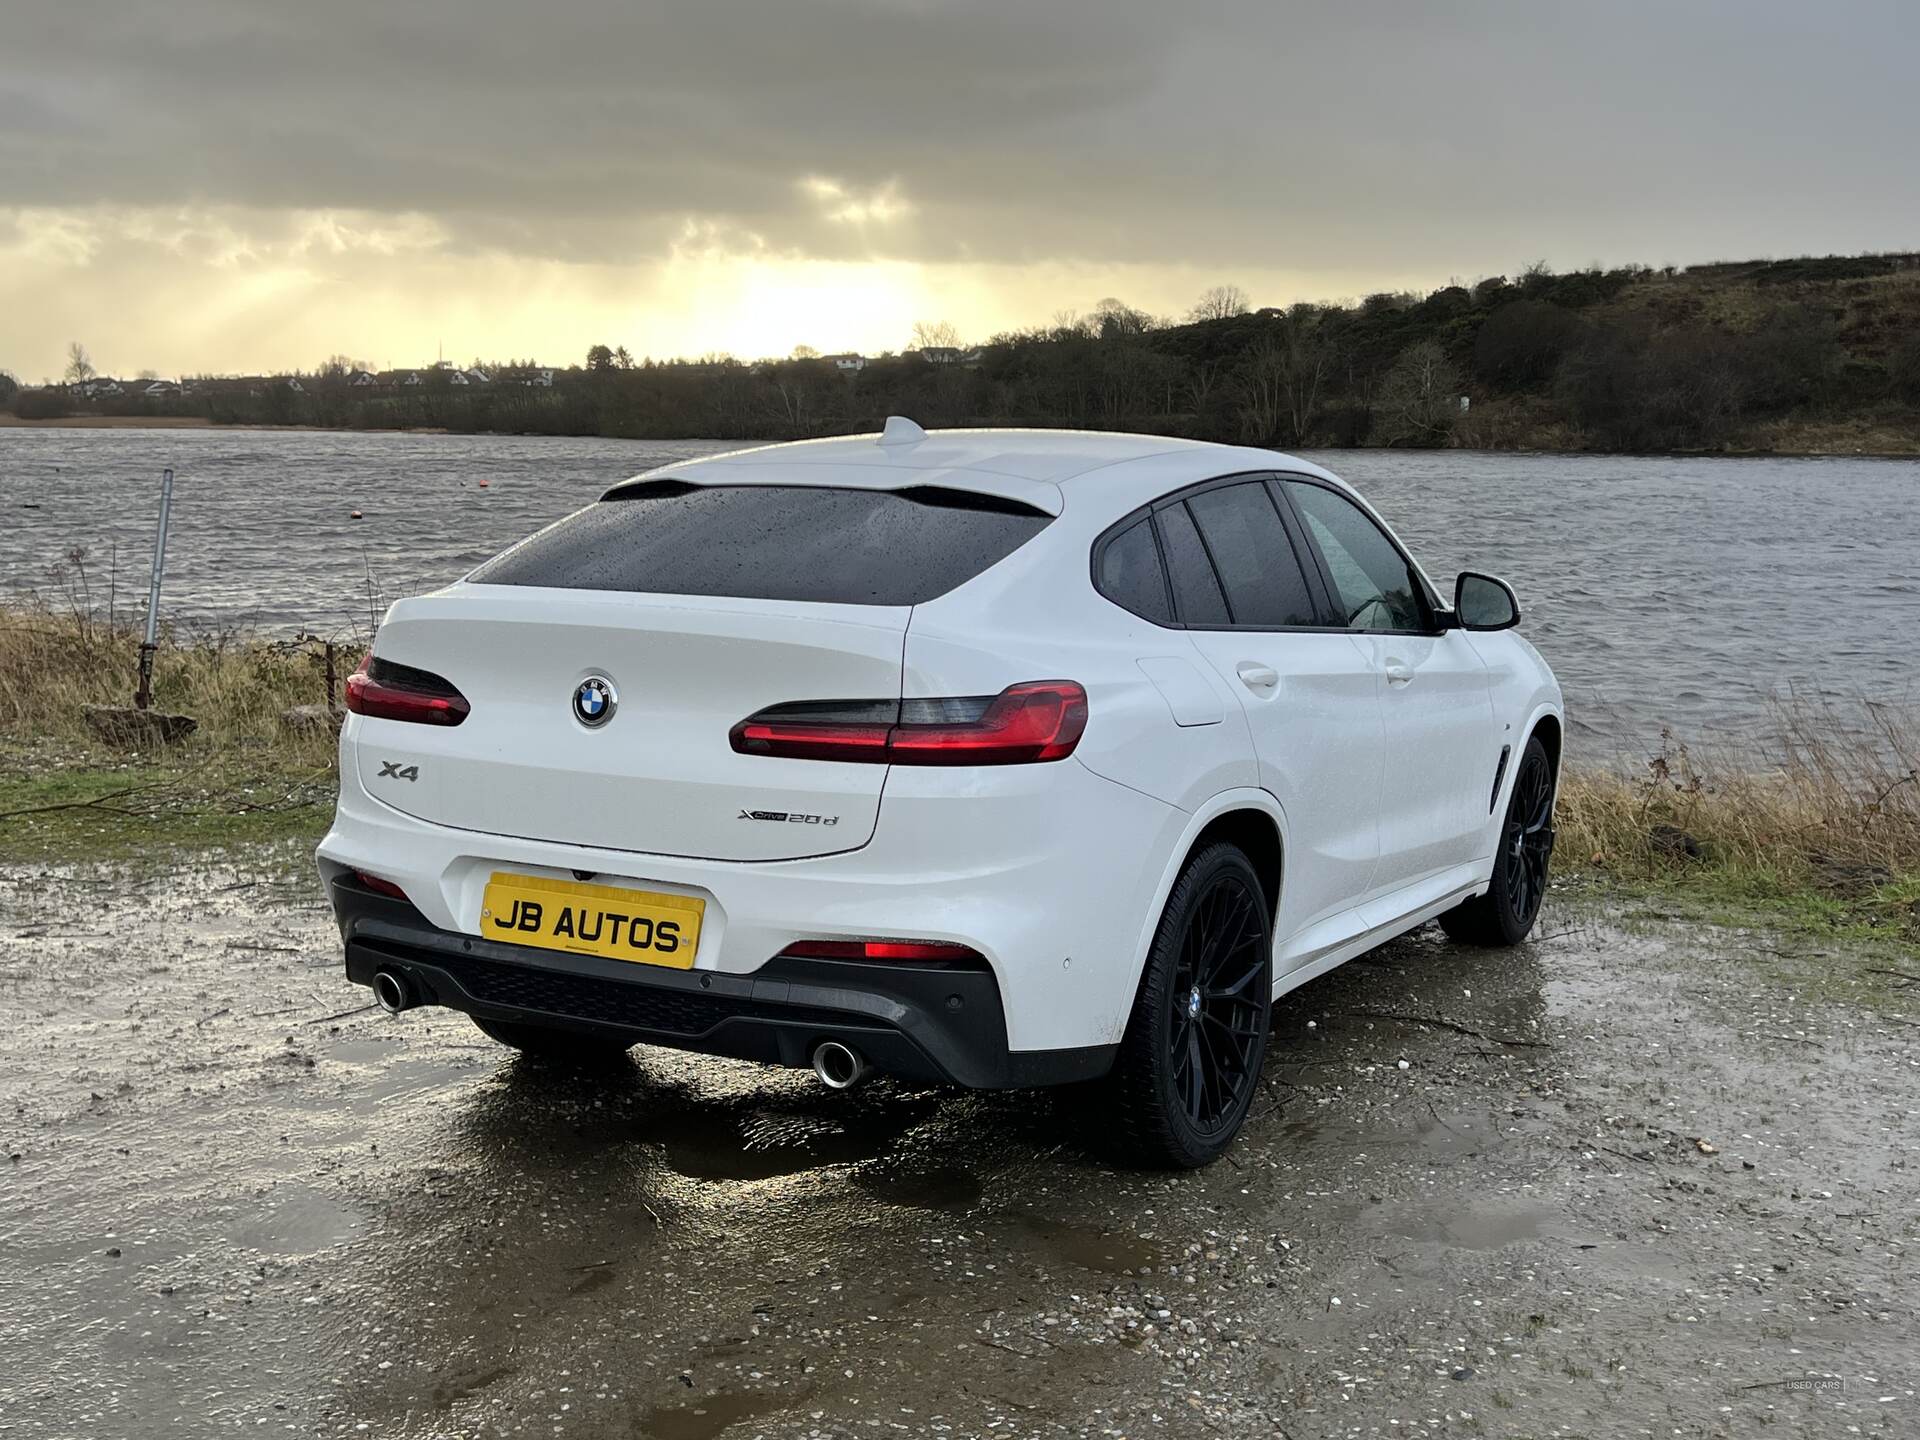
(923, 1021)
(1048, 872)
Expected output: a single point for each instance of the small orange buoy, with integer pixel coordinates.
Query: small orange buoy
(354, 516)
(485, 483)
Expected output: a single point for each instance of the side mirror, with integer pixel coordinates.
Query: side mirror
(1483, 602)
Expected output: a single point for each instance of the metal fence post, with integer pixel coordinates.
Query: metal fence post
(143, 697)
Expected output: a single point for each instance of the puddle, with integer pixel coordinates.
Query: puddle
(1489, 1226)
(296, 1220)
(449, 1392)
(706, 1418)
(952, 1189)
(704, 1142)
(1109, 1252)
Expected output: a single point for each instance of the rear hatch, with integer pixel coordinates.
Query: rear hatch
(697, 607)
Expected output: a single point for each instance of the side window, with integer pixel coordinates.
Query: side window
(1195, 590)
(1264, 582)
(1130, 574)
(1375, 587)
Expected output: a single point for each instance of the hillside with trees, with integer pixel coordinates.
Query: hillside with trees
(1794, 355)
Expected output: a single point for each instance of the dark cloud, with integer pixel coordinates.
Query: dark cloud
(1396, 136)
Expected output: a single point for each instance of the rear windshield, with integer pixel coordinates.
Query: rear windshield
(773, 542)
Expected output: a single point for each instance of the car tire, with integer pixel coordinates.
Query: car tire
(1189, 1064)
(551, 1042)
(1505, 914)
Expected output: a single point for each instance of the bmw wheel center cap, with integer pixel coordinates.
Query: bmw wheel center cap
(594, 701)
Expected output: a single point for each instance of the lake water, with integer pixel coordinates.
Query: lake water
(1682, 592)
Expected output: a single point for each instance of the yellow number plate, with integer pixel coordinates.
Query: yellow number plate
(604, 920)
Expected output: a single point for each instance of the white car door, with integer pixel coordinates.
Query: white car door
(1442, 744)
(1253, 608)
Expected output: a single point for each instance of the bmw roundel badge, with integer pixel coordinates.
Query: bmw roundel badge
(594, 701)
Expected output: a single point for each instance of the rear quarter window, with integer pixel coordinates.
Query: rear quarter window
(1128, 572)
(773, 542)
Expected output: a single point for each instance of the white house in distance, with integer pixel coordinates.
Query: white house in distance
(363, 379)
(849, 364)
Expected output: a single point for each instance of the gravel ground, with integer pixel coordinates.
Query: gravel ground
(1618, 1182)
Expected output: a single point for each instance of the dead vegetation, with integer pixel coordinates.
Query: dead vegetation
(1829, 806)
(55, 661)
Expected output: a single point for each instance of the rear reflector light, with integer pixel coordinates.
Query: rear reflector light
(388, 691)
(1036, 721)
(379, 886)
(879, 950)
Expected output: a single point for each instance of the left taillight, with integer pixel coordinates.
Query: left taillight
(389, 691)
(1036, 721)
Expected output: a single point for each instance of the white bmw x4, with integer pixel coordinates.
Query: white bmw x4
(997, 758)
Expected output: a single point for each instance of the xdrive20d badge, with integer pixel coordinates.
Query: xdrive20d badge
(594, 701)
(994, 758)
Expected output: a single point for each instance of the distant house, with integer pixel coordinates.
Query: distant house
(363, 379)
(293, 384)
(97, 387)
(479, 376)
(161, 387)
(537, 375)
(940, 354)
(233, 384)
(391, 378)
(849, 364)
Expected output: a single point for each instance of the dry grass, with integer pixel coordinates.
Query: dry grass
(55, 660)
(1828, 806)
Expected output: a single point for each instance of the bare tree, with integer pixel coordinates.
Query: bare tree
(1419, 399)
(1222, 302)
(935, 335)
(622, 358)
(1280, 378)
(1114, 319)
(79, 364)
(805, 352)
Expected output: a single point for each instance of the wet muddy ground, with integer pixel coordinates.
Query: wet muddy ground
(1620, 1182)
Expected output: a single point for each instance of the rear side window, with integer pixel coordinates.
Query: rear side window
(1195, 590)
(1255, 560)
(1130, 574)
(773, 542)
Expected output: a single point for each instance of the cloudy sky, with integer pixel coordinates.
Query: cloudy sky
(223, 185)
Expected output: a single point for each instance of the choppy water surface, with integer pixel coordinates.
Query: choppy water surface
(1664, 591)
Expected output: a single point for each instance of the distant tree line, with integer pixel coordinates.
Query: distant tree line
(1622, 359)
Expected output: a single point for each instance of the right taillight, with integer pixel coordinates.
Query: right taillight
(1036, 721)
(388, 691)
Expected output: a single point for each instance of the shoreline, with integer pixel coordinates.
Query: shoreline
(201, 422)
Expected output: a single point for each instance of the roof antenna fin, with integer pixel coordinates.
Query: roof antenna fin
(901, 431)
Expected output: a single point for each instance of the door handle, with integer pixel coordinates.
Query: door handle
(1399, 674)
(1256, 676)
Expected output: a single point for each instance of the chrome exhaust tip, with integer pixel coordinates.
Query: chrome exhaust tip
(391, 991)
(838, 1066)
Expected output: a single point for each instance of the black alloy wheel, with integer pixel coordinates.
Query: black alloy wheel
(1505, 914)
(1190, 1064)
